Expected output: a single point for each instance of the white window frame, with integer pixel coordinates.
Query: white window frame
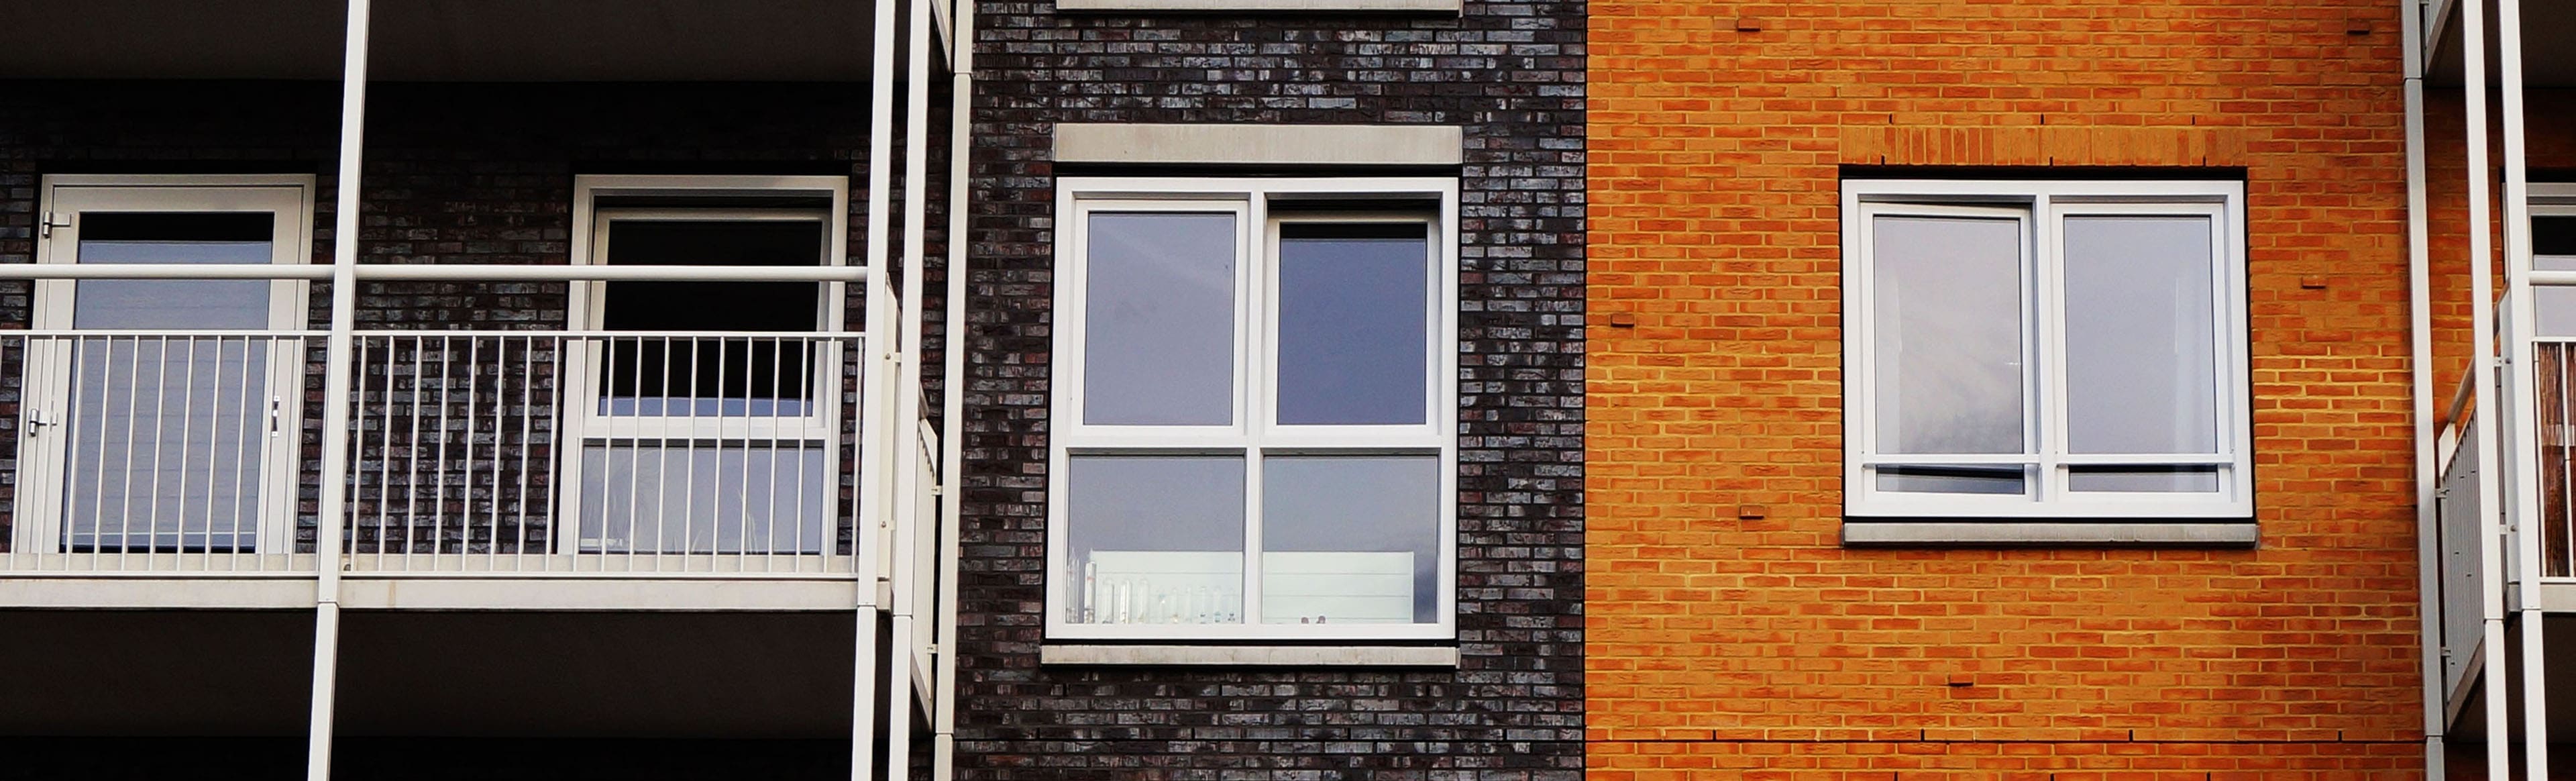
(2042, 206)
(587, 312)
(44, 459)
(1254, 402)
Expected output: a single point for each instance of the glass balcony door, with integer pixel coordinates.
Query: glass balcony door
(161, 413)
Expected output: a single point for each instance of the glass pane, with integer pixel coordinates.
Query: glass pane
(696, 376)
(166, 438)
(166, 435)
(2556, 307)
(2141, 354)
(1354, 309)
(183, 238)
(2144, 479)
(1350, 540)
(693, 376)
(674, 497)
(1154, 539)
(2008, 479)
(1947, 346)
(1159, 314)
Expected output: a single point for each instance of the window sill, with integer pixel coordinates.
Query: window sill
(1266, 6)
(1928, 533)
(1250, 655)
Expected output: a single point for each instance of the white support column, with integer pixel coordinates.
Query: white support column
(876, 471)
(2428, 472)
(334, 491)
(2473, 61)
(952, 442)
(907, 391)
(2526, 520)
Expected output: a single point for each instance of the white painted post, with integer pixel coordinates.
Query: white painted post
(335, 394)
(2527, 519)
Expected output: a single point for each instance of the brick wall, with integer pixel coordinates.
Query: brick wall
(1511, 73)
(1727, 628)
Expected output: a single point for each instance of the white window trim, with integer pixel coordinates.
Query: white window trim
(1077, 196)
(2044, 205)
(42, 465)
(587, 311)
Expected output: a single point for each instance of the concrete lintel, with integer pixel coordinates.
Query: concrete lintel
(2224, 534)
(1266, 6)
(1219, 144)
(1250, 656)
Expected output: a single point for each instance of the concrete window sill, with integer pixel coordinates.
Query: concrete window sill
(1249, 655)
(1266, 6)
(1921, 533)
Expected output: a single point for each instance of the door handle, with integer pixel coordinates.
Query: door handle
(276, 409)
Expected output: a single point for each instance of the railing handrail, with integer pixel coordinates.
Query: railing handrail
(597, 334)
(460, 272)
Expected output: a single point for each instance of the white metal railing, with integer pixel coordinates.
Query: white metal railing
(603, 452)
(2463, 572)
(166, 451)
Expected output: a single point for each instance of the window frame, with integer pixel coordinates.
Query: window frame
(1256, 358)
(2044, 206)
(583, 424)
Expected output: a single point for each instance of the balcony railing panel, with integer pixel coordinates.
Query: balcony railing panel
(2463, 573)
(170, 451)
(627, 452)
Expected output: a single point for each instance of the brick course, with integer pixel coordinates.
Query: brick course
(1511, 74)
(1726, 626)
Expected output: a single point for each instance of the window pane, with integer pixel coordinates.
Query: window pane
(1154, 539)
(2144, 479)
(1350, 540)
(1946, 344)
(2141, 355)
(674, 497)
(1955, 479)
(174, 237)
(683, 376)
(1159, 309)
(1353, 310)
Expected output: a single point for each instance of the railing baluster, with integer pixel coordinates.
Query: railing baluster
(438, 488)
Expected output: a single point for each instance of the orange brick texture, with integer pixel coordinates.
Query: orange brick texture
(1728, 632)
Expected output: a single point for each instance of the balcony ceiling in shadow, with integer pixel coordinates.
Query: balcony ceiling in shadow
(443, 40)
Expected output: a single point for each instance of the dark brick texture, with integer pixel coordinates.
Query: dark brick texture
(1511, 73)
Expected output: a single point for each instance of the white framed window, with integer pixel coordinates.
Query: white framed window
(160, 414)
(704, 415)
(1253, 433)
(2045, 349)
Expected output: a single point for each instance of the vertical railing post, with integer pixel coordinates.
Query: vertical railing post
(904, 420)
(952, 441)
(879, 353)
(2491, 534)
(335, 394)
(2524, 374)
(2428, 468)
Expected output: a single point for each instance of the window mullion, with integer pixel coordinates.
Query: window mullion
(2047, 350)
(1256, 348)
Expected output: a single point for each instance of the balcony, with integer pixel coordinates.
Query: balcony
(471, 455)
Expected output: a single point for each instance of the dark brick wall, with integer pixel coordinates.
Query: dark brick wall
(1511, 73)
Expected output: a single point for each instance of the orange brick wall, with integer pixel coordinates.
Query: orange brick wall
(1728, 632)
